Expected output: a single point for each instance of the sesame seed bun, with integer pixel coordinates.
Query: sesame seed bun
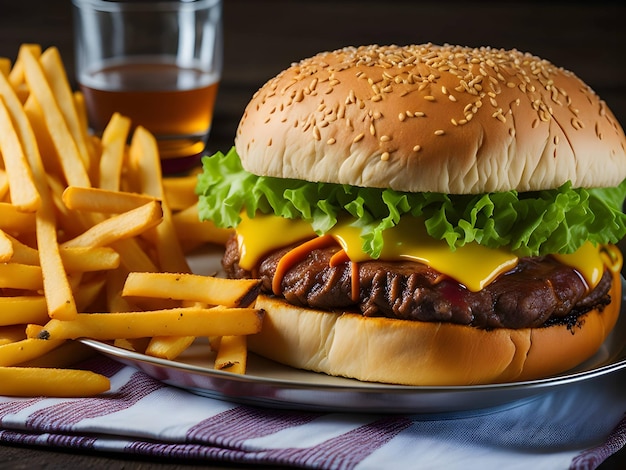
(445, 119)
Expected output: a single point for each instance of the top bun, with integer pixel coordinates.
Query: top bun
(447, 119)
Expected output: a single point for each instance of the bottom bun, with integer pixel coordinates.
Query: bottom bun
(406, 352)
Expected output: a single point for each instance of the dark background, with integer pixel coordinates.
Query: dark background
(262, 37)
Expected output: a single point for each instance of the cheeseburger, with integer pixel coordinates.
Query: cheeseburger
(425, 215)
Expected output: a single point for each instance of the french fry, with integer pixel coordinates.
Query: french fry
(71, 161)
(6, 247)
(193, 287)
(135, 344)
(26, 350)
(51, 382)
(22, 253)
(87, 259)
(78, 259)
(114, 140)
(185, 321)
(232, 354)
(133, 257)
(58, 292)
(24, 194)
(122, 226)
(5, 66)
(103, 200)
(52, 67)
(189, 228)
(4, 184)
(20, 309)
(179, 191)
(14, 220)
(16, 75)
(45, 145)
(144, 158)
(20, 276)
(168, 347)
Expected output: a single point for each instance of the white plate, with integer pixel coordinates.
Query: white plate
(269, 384)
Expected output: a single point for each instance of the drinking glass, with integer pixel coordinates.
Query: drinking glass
(157, 62)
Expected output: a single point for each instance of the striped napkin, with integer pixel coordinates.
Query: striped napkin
(575, 427)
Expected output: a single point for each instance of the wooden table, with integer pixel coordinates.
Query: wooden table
(264, 37)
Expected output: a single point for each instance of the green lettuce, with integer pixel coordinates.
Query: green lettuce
(530, 223)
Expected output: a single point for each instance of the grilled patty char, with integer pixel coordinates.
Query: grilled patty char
(536, 291)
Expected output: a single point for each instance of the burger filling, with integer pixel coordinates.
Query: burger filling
(537, 291)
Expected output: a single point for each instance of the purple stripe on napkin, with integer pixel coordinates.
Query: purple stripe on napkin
(592, 458)
(189, 452)
(232, 427)
(56, 440)
(344, 451)
(12, 407)
(61, 416)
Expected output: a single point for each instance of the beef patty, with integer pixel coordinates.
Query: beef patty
(538, 291)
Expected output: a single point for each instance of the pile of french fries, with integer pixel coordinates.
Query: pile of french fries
(93, 243)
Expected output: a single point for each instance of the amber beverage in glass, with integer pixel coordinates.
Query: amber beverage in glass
(158, 63)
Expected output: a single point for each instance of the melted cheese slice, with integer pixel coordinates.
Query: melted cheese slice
(472, 265)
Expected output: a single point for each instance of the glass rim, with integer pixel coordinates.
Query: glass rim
(143, 5)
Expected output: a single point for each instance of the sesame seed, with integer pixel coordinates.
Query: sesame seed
(577, 123)
(331, 141)
(385, 156)
(452, 98)
(316, 133)
(372, 129)
(385, 138)
(358, 138)
(498, 115)
(440, 132)
(401, 116)
(417, 148)
(429, 98)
